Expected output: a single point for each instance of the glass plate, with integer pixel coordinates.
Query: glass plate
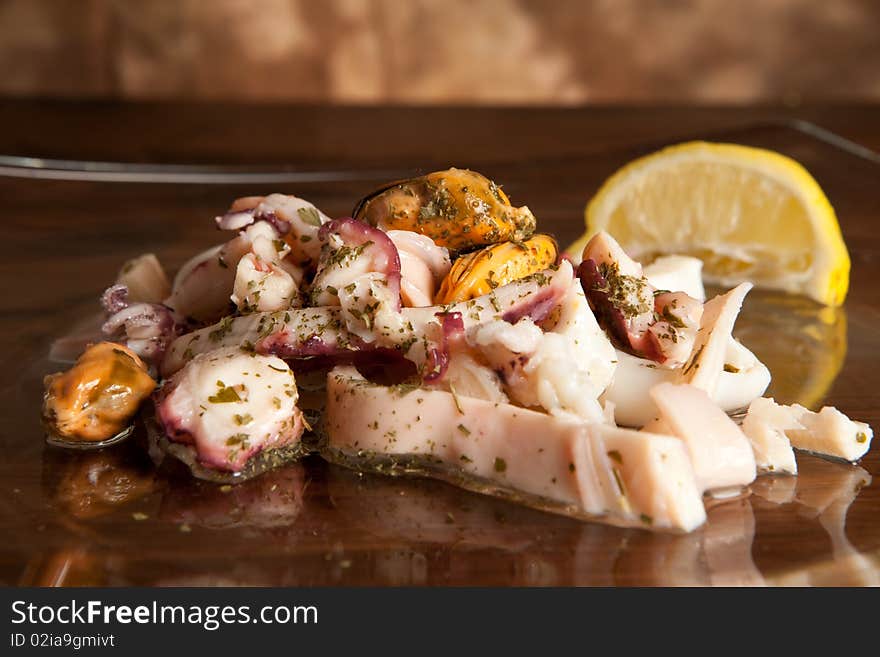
(108, 517)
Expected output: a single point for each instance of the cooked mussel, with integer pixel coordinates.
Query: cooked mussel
(96, 399)
(457, 208)
(480, 272)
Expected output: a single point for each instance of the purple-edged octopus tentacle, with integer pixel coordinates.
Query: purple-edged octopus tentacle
(115, 298)
(438, 353)
(659, 326)
(325, 331)
(351, 249)
(145, 328)
(538, 305)
(229, 406)
(282, 226)
(596, 289)
(235, 220)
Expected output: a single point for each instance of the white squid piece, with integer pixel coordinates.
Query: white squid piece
(677, 273)
(202, 286)
(144, 279)
(705, 365)
(765, 426)
(772, 427)
(829, 433)
(620, 476)
(743, 379)
(730, 373)
(721, 454)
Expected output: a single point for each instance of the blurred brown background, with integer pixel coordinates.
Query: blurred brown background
(443, 51)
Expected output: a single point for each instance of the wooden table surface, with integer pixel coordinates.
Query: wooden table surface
(342, 136)
(110, 518)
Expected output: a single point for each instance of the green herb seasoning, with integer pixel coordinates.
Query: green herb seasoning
(224, 395)
(238, 439)
(626, 293)
(309, 216)
(455, 399)
(223, 328)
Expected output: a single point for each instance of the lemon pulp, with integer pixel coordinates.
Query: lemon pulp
(748, 213)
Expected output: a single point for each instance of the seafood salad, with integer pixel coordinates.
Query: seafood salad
(437, 333)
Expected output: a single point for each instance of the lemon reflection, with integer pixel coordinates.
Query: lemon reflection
(802, 343)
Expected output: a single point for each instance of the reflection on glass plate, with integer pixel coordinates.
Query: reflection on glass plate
(803, 344)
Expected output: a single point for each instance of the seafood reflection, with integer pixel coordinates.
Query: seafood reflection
(727, 545)
(89, 485)
(351, 529)
(90, 489)
(445, 538)
(107, 496)
(719, 554)
(437, 535)
(271, 501)
(829, 504)
(455, 535)
(66, 567)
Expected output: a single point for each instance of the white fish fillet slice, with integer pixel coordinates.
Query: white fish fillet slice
(575, 463)
(721, 454)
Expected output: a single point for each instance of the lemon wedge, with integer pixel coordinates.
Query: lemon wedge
(747, 213)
